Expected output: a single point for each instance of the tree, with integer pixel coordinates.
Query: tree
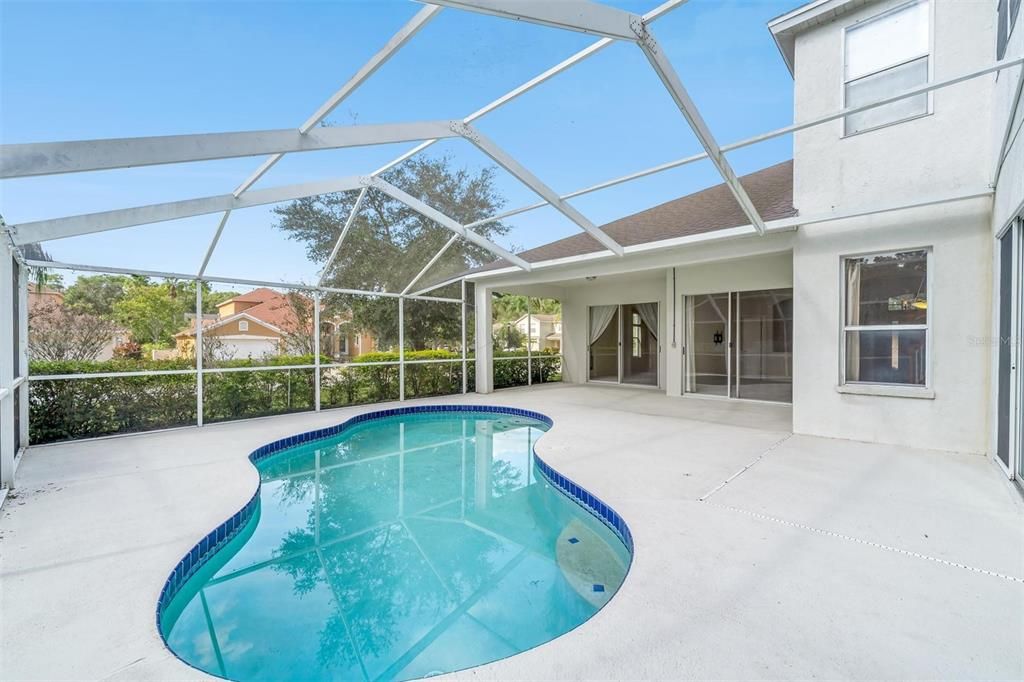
(153, 313)
(389, 243)
(510, 307)
(97, 294)
(508, 337)
(40, 276)
(298, 337)
(58, 333)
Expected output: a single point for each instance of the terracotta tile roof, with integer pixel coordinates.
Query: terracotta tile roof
(771, 190)
(258, 295)
(272, 307)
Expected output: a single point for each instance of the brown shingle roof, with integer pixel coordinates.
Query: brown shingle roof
(770, 189)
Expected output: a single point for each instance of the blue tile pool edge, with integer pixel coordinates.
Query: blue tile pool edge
(220, 536)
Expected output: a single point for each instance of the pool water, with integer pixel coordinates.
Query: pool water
(404, 547)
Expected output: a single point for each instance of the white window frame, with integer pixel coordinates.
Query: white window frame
(243, 325)
(880, 388)
(930, 54)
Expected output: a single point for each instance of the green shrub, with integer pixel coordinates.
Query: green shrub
(65, 409)
(84, 408)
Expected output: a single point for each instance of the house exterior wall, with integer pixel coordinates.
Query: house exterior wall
(1009, 195)
(1008, 201)
(270, 342)
(946, 153)
(959, 304)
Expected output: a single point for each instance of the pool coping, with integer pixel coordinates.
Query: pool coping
(206, 548)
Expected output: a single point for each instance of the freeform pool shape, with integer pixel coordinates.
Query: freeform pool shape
(399, 544)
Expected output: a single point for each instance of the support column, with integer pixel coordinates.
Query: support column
(7, 342)
(529, 343)
(465, 364)
(23, 352)
(484, 346)
(198, 352)
(401, 348)
(316, 350)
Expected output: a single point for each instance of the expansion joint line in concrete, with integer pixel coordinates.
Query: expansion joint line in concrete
(744, 469)
(868, 543)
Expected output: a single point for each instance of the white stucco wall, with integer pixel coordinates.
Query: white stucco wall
(1010, 186)
(946, 153)
(636, 278)
(959, 311)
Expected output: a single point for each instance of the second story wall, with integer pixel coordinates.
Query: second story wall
(1008, 101)
(945, 152)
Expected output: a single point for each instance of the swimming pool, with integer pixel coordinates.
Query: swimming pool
(398, 545)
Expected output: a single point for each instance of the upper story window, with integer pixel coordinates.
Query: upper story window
(886, 323)
(243, 325)
(1007, 16)
(883, 56)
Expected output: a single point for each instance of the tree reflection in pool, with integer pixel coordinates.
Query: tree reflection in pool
(404, 547)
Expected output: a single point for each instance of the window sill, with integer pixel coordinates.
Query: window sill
(921, 392)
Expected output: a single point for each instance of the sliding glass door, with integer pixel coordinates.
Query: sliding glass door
(1009, 431)
(764, 344)
(624, 344)
(707, 344)
(739, 345)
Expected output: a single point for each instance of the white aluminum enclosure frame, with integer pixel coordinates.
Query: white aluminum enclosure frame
(612, 24)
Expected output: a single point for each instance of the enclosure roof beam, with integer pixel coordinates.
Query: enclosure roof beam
(341, 237)
(593, 188)
(58, 228)
(430, 264)
(397, 41)
(50, 158)
(670, 79)
(213, 242)
(547, 75)
(573, 15)
(613, 23)
(509, 163)
(440, 218)
(57, 265)
(778, 132)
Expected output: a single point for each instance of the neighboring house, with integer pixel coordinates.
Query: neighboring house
(544, 331)
(883, 300)
(39, 298)
(263, 323)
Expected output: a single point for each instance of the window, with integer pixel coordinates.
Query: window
(886, 319)
(243, 325)
(343, 344)
(1007, 16)
(886, 55)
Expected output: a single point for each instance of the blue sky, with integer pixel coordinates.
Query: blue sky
(124, 69)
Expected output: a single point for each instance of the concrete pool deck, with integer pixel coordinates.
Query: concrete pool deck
(825, 558)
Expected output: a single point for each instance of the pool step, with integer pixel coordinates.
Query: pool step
(592, 568)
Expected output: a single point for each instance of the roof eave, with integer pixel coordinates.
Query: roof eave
(785, 27)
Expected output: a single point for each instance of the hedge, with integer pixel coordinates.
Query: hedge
(65, 409)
